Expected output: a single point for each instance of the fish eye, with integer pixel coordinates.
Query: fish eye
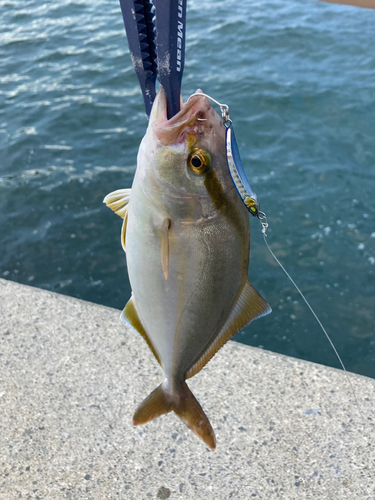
(199, 161)
(196, 161)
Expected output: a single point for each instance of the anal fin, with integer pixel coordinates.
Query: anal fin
(130, 316)
(249, 306)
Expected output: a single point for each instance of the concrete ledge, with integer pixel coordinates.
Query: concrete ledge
(71, 376)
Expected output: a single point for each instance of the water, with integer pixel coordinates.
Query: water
(299, 80)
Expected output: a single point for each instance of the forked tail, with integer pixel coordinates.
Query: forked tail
(184, 404)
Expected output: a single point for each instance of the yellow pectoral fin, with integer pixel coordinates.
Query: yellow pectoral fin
(118, 201)
(249, 306)
(130, 316)
(164, 246)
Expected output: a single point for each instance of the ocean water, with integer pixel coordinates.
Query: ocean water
(299, 79)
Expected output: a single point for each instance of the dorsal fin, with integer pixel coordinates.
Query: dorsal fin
(249, 306)
(118, 201)
(129, 316)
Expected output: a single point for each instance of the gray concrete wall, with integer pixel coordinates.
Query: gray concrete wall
(71, 376)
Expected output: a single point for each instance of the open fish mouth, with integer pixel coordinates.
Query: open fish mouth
(195, 117)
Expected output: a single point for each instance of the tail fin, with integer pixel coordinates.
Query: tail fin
(185, 405)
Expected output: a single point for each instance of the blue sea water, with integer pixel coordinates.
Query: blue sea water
(299, 79)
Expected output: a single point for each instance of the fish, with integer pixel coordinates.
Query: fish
(186, 234)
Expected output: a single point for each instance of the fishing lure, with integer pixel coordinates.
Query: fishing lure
(237, 172)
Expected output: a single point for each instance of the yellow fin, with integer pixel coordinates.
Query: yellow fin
(164, 246)
(118, 201)
(123, 231)
(184, 404)
(249, 306)
(130, 316)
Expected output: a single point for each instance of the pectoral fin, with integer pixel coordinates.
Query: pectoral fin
(129, 316)
(164, 246)
(249, 306)
(118, 201)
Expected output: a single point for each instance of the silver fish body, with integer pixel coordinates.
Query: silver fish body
(187, 239)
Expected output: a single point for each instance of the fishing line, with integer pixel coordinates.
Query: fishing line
(263, 221)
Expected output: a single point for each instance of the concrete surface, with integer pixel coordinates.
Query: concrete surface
(71, 376)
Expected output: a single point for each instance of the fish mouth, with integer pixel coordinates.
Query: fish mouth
(194, 119)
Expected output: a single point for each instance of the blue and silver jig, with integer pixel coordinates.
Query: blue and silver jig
(237, 172)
